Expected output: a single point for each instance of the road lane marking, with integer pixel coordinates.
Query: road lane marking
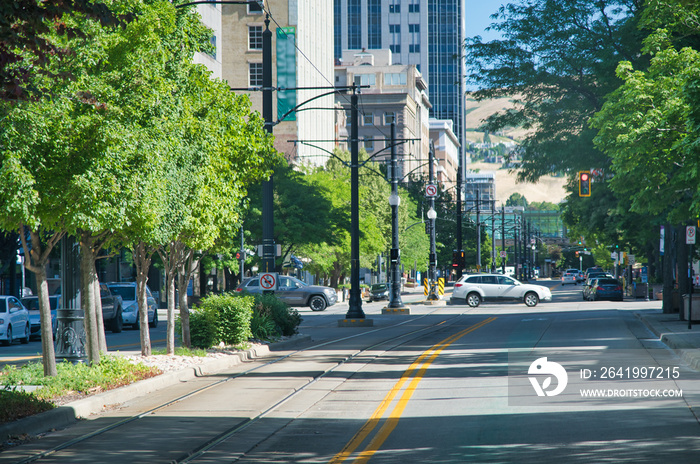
(395, 415)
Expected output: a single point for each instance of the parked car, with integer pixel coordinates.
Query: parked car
(494, 287)
(32, 305)
(294, 292)
(112, 307)
(379, 292)
(14, 320)
(606, 289)
(569, 278)
(130, 306)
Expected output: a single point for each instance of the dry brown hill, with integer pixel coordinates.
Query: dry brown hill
(549, 188)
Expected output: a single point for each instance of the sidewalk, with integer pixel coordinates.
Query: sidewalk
(675, 334)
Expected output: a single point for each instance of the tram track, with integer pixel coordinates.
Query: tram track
(201, 448)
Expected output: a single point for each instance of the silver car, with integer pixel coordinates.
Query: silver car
(130, 306)
(473, 289)
(14, 320)
(294, 292)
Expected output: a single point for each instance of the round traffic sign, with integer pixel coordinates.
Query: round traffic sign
(431, 190)
(268, 281)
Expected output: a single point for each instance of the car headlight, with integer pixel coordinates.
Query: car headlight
(131, 308)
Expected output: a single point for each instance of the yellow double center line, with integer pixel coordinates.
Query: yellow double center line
(414, 373)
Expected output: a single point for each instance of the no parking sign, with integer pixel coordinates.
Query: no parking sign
(268, 281)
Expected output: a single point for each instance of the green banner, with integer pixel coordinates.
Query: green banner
(286, 72)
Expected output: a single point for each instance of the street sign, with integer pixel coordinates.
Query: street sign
(268, 281)
(504, 254)
(690, 235)
(430, 190)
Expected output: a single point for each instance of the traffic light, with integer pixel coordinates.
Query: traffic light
(584, 184)
(458, 261)
(239, 255)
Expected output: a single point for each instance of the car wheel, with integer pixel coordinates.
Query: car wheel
(531, 299)
(317, 303)
(117, 323)
(154, 323)
(8, 342)
(25, 339)
(473, 299)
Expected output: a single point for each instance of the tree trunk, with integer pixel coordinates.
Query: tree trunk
(142, 262)
(36, 260)
(99, 320)
(170, 256)
(185, 271)
(88, 277)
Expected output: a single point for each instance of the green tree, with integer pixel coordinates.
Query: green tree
(556, 62)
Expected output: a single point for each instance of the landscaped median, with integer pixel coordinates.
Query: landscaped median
(31, 403)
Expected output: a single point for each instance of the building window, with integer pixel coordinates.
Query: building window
(365, 79)
(389, 117)
(374, 24)
(354, 24)
(395, 6)
(255, 37)
(255, 8)
(414, 38)
(414, 7)
(255, 74)
(395, 38)
(367, 119)
(395, 79)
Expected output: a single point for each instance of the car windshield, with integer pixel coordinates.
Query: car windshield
(378, 287)
(127, 293)
(3, 306)
(608, 282)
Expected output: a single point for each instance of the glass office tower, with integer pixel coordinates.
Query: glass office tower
(427, 33)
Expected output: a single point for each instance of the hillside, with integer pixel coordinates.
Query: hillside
(476, 112)
(549, 188)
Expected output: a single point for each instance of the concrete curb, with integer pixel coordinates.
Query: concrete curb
(684, 346)
(70, 413)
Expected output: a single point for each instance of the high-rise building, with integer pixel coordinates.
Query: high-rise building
(425, 33)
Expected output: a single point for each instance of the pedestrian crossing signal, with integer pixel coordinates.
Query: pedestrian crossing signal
(584, 184)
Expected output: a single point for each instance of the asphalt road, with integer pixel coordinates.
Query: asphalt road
(446, 384)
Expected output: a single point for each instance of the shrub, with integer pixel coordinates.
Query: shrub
(203, 328)
(286, 320)
(222, 318)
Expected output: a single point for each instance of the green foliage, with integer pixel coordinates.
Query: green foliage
(16, 404)
(286, 320)
(224, 318)
(204, 332)
(111, 372)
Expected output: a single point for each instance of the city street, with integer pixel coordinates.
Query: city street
(445, 384)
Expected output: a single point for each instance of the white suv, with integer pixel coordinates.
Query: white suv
(494, 287)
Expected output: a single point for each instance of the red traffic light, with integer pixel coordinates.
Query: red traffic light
(584, 184)
(238, 255)
(584, 176)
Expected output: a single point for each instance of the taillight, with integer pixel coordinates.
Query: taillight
(458, 285)
(618, 288)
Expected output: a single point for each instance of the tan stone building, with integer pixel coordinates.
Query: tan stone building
(396, 93)
(302, 56)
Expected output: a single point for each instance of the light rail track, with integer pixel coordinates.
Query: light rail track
(223, 435)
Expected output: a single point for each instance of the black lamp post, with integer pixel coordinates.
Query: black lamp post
(432, 215)
(394, 256)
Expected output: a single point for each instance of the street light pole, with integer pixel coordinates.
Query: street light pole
(268, 233)
(478, 231)
(355, 305)
(394, 201)
(432, 215)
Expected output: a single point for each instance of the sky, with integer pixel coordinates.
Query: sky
(477, 17)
